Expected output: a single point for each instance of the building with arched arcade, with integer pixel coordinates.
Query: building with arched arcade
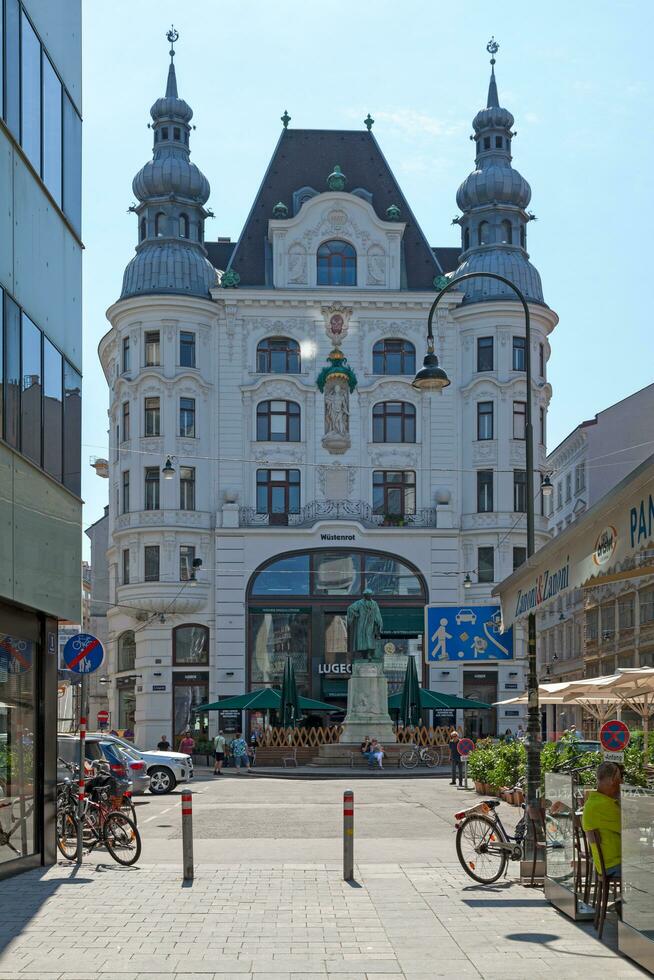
(263, 423)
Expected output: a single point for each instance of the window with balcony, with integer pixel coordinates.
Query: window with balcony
(391, 356)
(519, 420)
(152, 417)
(278, 494)
(187, 488)
(485, 419)
(484, 491)
(127, 651)
(394, 492)
(485, 353)
(125, 563)
(393, 422)
(278, 421)
(151, 562)
(152, 348)
(187, 349)
(336, 264)
(186, 559)
(125, 421)
(519, 354)
(520, 491)
(278, 355)
(152, 481)
(187, 418)
(125, 491)
(485, 565)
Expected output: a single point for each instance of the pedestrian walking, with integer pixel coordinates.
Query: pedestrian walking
(163, 744)
(455, 758)
(218, 754)
(187, 744)
(240, 752)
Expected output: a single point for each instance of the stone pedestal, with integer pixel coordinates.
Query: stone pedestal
(367, 705)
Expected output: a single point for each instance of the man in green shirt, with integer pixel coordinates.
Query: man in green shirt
(219, 754)
(602, 812)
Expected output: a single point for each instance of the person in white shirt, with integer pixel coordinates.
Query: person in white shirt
(218, 754)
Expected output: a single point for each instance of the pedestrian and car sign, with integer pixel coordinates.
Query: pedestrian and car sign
(83, 653)
(466, 633)
(464, 747)
(614, 736)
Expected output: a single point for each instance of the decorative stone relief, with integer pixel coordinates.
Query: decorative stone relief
(297, 264)
(337, 322)
(481, 451)
(323, 474)
(394, 457)
(376, 266)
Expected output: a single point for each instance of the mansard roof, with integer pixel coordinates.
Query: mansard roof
(304, 158)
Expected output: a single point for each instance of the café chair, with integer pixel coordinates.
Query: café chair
(603, 883)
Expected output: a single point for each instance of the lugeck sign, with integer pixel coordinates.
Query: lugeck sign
(613, 540)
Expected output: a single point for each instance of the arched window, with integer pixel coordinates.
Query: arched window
(391, 356)
(126, 651)
(191, 644)
(483, 233)
(507, 233)
(466, 240)
(323, 574)
(337, 264)
(142, 229)
(393, 422)
(159, 220)
(183, 226)
(523, 236)
(278, 421)
(278, 355)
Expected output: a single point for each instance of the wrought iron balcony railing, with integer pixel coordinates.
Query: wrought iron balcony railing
(338, 510)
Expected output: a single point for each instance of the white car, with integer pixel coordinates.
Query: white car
(165, 769)
(466, 616)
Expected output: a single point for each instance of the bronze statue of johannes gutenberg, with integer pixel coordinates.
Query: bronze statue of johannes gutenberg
(364, 626)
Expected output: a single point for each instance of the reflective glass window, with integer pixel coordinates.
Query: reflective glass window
(72, 428)
(151, 562)
(485, 565)
(30, 93)
(12, 373)
(18, 757)
(484, 353)
(191, 645)
(278, 421)
(32, 388)
(484, 420)
(278, 355)
(393, 422)
(337, 264)
(126, 644)
(52, 129)
(187, 488)
(152, 488)
(187, 417)
(152, 417)
(125, 567)
(186, 559)
(72, 165)
(393, 356)
(12, 66)
(519, 354)
(388, 576)
(187, 349)
(336, 574)
(53, 410)
(2, 331)
(394, 492)
(274, 637)
(287, 576)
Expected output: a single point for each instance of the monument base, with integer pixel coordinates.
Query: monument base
(367, 706)
(349, 756)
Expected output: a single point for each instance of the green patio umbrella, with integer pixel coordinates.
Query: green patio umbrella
(265, 699)
(410, 695)
(290, 703)
(434, 699)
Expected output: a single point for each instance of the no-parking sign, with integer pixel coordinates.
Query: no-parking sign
(83, 653)
(465, 746)
(614, 736)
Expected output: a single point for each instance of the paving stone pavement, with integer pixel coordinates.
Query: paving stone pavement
(412, 921)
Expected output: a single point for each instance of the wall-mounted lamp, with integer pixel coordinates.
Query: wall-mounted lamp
(467, 582)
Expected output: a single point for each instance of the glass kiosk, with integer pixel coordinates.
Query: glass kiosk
(636, 929)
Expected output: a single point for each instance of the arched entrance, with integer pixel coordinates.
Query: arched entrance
(297, 606)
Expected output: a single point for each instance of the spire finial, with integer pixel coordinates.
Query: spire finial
(368, 122)
(285, 119)
(493, 99)
(172, 36)
(171, 85)
(492, 47)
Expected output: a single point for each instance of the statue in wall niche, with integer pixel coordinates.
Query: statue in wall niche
(337, 410)
(336, 382)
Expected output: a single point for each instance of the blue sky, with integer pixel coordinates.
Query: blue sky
(577, 77)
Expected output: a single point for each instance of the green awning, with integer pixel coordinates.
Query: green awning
(265, 699)
(434, 699)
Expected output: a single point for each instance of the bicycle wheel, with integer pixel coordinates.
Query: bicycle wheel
(121, 838)
(410, 759)
(472, 840)
(66, 832)
(432, 758)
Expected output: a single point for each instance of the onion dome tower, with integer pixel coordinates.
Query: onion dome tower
(493, 199)
(172, 191)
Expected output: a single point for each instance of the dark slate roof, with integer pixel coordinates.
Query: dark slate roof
(305, 158)
(447, 258)
(219, 253)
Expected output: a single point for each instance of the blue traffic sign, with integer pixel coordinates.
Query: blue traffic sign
(83, 653)
(466, 633)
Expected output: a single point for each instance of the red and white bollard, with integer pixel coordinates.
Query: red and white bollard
(348, 835)
(187, 835)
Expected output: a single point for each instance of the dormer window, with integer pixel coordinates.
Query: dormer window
(159, 220)
(177, 133)
(507, 233)
(487, 142)
(337, 264)
(164, 133)
(498, 142)
(183, 226)
(483, 232)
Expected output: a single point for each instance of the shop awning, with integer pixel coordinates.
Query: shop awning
(612, 541)
(265, 699)
(436, 700)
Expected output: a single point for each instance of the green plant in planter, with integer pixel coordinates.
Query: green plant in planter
(480, 765)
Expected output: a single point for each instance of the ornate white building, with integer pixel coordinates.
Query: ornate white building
(263, 422)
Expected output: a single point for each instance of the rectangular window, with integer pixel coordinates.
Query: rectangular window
(568, 487)
(187, 349)
(125, 355)
(32, 390)
(186, 559)
(484, 491)
(484, 353)
(30, 93)
(519, 557)
(151, 563)
(394, 493)
(580, 477)
(52, 130)
(484, 420)
(187, 417)
(278, 494)
(519, 352)
(542, 425)
(12, 66)
(541, 360)
(591, 624)
(485, 565)
(646, 606)
(2, 317)
(626, 613)
(152, 348)
(152, 488)
(152, 417)
(520, 491)
(53, 410)
(117, 445)
(519, 420)
(72, 429)
(125, 491)
(125, 421)
(125, 566)
(12, 373)
(187, 488)
(559, 495)
(72, 165)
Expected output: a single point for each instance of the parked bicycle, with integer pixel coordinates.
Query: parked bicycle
(122, 801)
(428, 755)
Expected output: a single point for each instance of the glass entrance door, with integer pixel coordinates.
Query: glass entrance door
(481, 685)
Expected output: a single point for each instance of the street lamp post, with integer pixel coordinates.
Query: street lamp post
(433, 377)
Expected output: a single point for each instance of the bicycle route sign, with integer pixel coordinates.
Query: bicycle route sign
(614, 737)
(464, 747)
(83, 653)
